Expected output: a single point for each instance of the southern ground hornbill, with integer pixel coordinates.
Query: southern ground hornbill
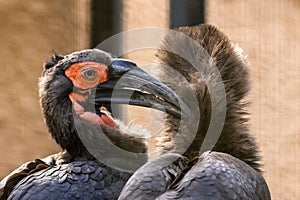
(76, 93)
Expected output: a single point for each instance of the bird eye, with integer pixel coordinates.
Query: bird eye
(89, 74)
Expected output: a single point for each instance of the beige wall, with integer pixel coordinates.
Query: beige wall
(141, 14)
(30, 32)
(269, 32)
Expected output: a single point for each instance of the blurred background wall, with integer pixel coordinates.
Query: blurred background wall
(268, 31)
(31, 31)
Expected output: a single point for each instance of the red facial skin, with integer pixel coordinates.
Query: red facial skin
(76, 74)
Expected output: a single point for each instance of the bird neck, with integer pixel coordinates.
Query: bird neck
(58, 113)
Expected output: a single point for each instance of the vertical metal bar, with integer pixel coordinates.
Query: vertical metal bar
(105, 22)
(186, 13)
(102, 21)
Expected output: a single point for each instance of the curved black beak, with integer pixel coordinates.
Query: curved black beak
(128, 84)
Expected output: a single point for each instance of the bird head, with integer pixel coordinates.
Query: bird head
(82, 86)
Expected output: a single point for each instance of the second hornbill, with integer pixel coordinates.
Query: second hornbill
(76, 93)
(231, 169)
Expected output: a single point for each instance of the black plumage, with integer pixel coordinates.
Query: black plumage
(80, 179)
(230, 170)
(73, 173)
(50, 178)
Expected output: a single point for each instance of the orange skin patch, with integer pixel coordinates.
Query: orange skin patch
(80, 97)
(76, 74)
